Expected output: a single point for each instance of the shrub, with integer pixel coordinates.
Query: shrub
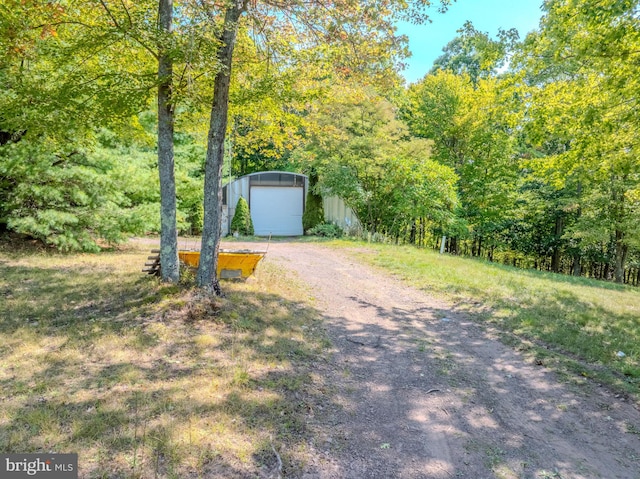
(241, 221)
(314, 211)
(327, 230)
(64, 196)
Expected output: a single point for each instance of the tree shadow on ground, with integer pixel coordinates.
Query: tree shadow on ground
(145, 380)
(148, 381)
(430, 393)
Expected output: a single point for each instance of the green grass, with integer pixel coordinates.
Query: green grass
(575, 323)
(147, 380)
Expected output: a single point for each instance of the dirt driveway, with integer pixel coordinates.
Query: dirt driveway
(416, 390)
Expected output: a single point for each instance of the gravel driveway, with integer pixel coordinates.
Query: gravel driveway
(418, 390)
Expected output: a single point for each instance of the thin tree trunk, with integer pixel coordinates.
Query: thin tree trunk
(577, 257)
(170, 269)
(215, 152)
(555, 259)
(621, 257)
(577, 267)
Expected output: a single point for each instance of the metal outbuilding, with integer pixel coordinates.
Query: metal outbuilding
(276, 201)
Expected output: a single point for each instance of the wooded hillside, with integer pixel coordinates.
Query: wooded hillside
(517, 150)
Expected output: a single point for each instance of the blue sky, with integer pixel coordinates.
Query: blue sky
(426, 41)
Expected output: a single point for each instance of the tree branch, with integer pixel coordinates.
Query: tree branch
(126, 10)
(113, 18)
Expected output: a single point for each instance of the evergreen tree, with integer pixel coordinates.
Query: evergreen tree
(314, 211)
(242, 222)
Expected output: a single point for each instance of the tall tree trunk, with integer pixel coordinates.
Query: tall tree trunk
(577, 267)
(453, 246)
(170, 269)
(215, 151)
(555, 259)
(621, 257)
(577, 257)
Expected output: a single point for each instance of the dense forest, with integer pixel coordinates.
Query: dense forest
(517, 150)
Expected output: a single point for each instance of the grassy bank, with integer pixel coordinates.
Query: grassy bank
(574, 323)
(144, 382)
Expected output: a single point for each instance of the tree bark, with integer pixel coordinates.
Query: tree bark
(577, 267)
(453, 246)
(170, 269)
(621, 257)
(555, 259)
(215, 152)
(577, 257)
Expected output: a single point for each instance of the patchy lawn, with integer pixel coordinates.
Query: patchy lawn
(147, 380)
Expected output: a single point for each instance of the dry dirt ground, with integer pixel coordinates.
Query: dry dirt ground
(417, 389)
(421, 391)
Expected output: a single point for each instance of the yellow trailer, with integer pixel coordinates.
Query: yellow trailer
(231, 263)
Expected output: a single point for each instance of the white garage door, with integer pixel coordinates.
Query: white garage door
(277, 210)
